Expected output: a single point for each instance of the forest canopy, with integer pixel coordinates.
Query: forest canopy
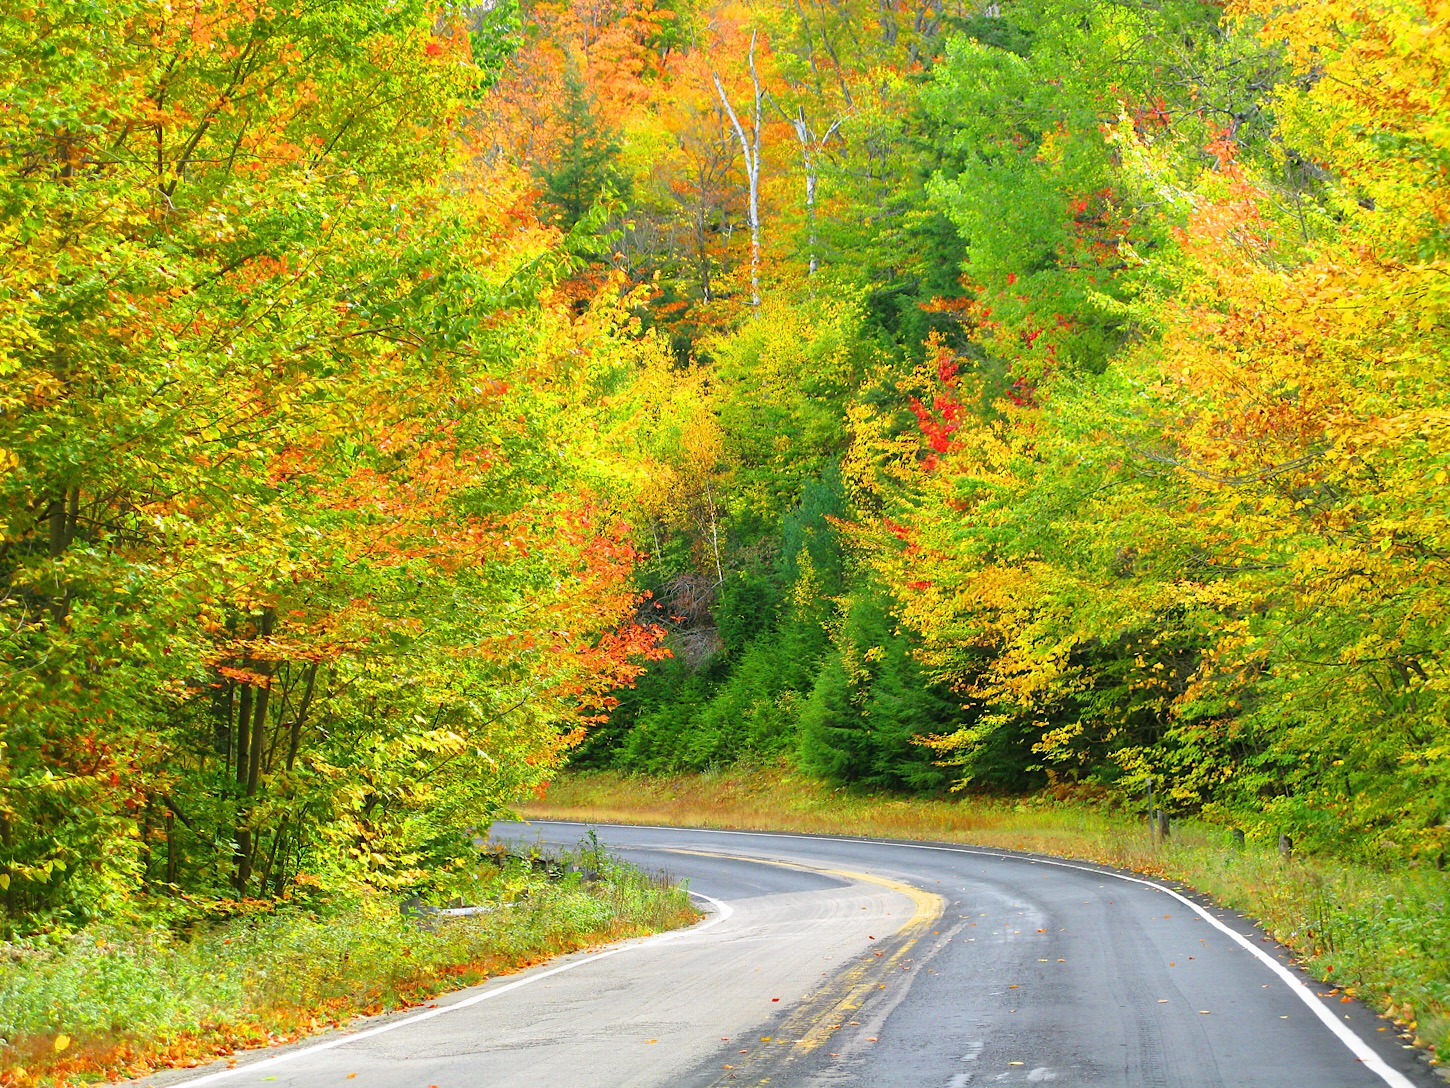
(394, 400)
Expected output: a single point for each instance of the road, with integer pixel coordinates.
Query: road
(854, 962)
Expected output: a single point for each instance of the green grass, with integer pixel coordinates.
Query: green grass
(123, 1000)
(1382, 936)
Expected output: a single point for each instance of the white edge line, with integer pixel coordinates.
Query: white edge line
(1351, 1039)
(722, 912)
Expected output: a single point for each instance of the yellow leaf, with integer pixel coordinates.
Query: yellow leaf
(61, 1042)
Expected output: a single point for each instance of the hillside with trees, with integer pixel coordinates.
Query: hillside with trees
(1057, 398)
(396, 402)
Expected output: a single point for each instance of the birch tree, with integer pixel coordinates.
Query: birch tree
(750, 152)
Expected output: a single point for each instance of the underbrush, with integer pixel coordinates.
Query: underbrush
(124, 1000)
(1381, 935)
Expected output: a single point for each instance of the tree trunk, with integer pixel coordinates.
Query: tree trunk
(265, 877)
(12, 890)
(295, 741)
(145, 819)
(244, 734)
(810, 148)
(750, 149)
(249, 766)
(259, 712)
(61, 515)
(171, 851)
(243, 837)
(714, 534)
(811, 213)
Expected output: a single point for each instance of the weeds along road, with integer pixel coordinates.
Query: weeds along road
(828, 961)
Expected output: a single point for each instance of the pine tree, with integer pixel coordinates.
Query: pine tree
(585, 167)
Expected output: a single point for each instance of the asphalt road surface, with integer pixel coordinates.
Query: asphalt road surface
(853, 962)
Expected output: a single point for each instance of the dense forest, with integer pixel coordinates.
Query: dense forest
(397, 400)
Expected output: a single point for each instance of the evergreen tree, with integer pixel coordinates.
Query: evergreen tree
(585, 167)
(870, 705)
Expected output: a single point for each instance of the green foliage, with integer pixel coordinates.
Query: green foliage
(1088, 427)
(1110, 428)
(870, 704)
(224, 983)
(748, 606)
(302, 565)
(749, 712)
(780, 383)
(494, 34)
(585, 169)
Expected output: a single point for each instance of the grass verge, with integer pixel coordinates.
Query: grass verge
(1380, 936)
(122, 1001)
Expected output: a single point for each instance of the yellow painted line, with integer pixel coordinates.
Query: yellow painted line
(816, 1019)
(929, 905)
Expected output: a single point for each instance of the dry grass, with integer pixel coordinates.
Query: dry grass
(1384, 937)
(773, 799)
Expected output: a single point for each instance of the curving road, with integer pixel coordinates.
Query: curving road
(836, 961)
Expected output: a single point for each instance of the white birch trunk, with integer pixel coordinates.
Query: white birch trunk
(750, 150)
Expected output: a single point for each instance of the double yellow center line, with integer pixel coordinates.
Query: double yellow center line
(840, 1001)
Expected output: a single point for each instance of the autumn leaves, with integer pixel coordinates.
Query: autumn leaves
(1085, 357)
(1137, 407)
(305, 565)
(1214, 552)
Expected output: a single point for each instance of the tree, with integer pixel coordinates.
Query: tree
(750, 153)
(288, 405)
(584, 168)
